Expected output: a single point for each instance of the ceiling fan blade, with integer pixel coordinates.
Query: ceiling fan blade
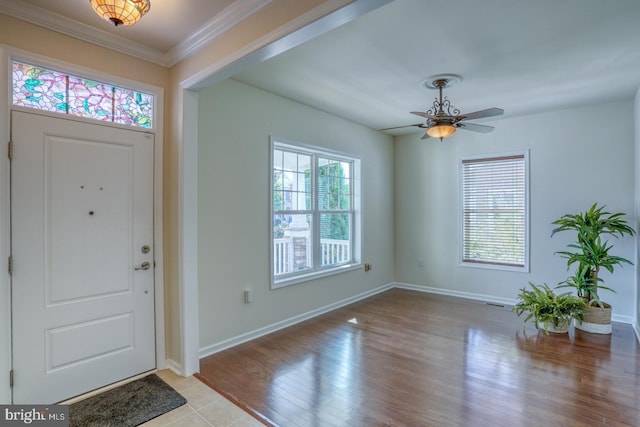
(475, 127)
(421, 114)
(420, 125)
(489, 112)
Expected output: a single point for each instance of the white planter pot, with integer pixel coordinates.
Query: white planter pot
(562, 328)
(594, 328)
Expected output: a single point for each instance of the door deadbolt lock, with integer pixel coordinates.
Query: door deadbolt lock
(144, 266)
(146, 249)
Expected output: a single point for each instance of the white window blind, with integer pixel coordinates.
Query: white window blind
(494, 208)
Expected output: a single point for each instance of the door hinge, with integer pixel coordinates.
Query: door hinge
(11, 378)
(10, 150)
(10, 264)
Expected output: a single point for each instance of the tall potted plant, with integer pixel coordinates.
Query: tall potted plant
(591, 253)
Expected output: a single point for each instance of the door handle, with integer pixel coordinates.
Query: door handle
(144, 266)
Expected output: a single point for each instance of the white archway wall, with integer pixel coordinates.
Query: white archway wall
(277, 27)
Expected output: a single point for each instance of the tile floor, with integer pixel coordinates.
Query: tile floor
(205, 407)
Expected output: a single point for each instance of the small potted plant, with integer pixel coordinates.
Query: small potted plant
(590, 252)
(551, 312)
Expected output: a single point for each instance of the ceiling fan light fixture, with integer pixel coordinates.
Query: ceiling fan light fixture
(441, 131)
(443, 119)
(121, 12)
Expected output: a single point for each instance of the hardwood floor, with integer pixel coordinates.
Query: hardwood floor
(405, 358)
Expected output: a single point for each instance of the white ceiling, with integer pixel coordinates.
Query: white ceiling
(166, 24)
(521, 55)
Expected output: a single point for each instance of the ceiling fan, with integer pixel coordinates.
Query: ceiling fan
(442, 119)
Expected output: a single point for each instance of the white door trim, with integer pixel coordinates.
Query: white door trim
(5, 230)
(6, 53)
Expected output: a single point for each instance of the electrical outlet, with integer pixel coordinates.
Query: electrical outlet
(420, 262)
(248, 296)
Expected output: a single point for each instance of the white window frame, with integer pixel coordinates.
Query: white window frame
(497, 265)
(317, 271)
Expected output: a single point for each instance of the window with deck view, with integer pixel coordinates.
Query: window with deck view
(494, 211)
(313, 212)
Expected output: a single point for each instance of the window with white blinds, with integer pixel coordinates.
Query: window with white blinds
(494, 211)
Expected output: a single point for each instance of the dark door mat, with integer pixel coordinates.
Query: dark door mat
(126, 406)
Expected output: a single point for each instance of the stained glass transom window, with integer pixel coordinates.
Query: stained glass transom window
(49, 90)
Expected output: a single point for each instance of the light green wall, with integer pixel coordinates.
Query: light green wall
(578, 156)
(235, 123)
(410, 195)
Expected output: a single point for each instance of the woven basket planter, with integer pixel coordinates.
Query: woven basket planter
(595, 319)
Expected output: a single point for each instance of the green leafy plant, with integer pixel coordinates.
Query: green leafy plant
(590, 251)
(546, 307)
(581, 282)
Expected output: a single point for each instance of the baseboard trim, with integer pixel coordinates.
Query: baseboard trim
(489, 299)
(622, 319)
(174, 366)
(240, 339)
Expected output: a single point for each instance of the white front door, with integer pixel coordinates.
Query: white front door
(82, 250)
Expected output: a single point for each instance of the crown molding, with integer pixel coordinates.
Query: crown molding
(214, 28)
(70, 27)
(317, 21)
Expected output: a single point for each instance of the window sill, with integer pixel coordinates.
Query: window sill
(306, 277)
(487, 266)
